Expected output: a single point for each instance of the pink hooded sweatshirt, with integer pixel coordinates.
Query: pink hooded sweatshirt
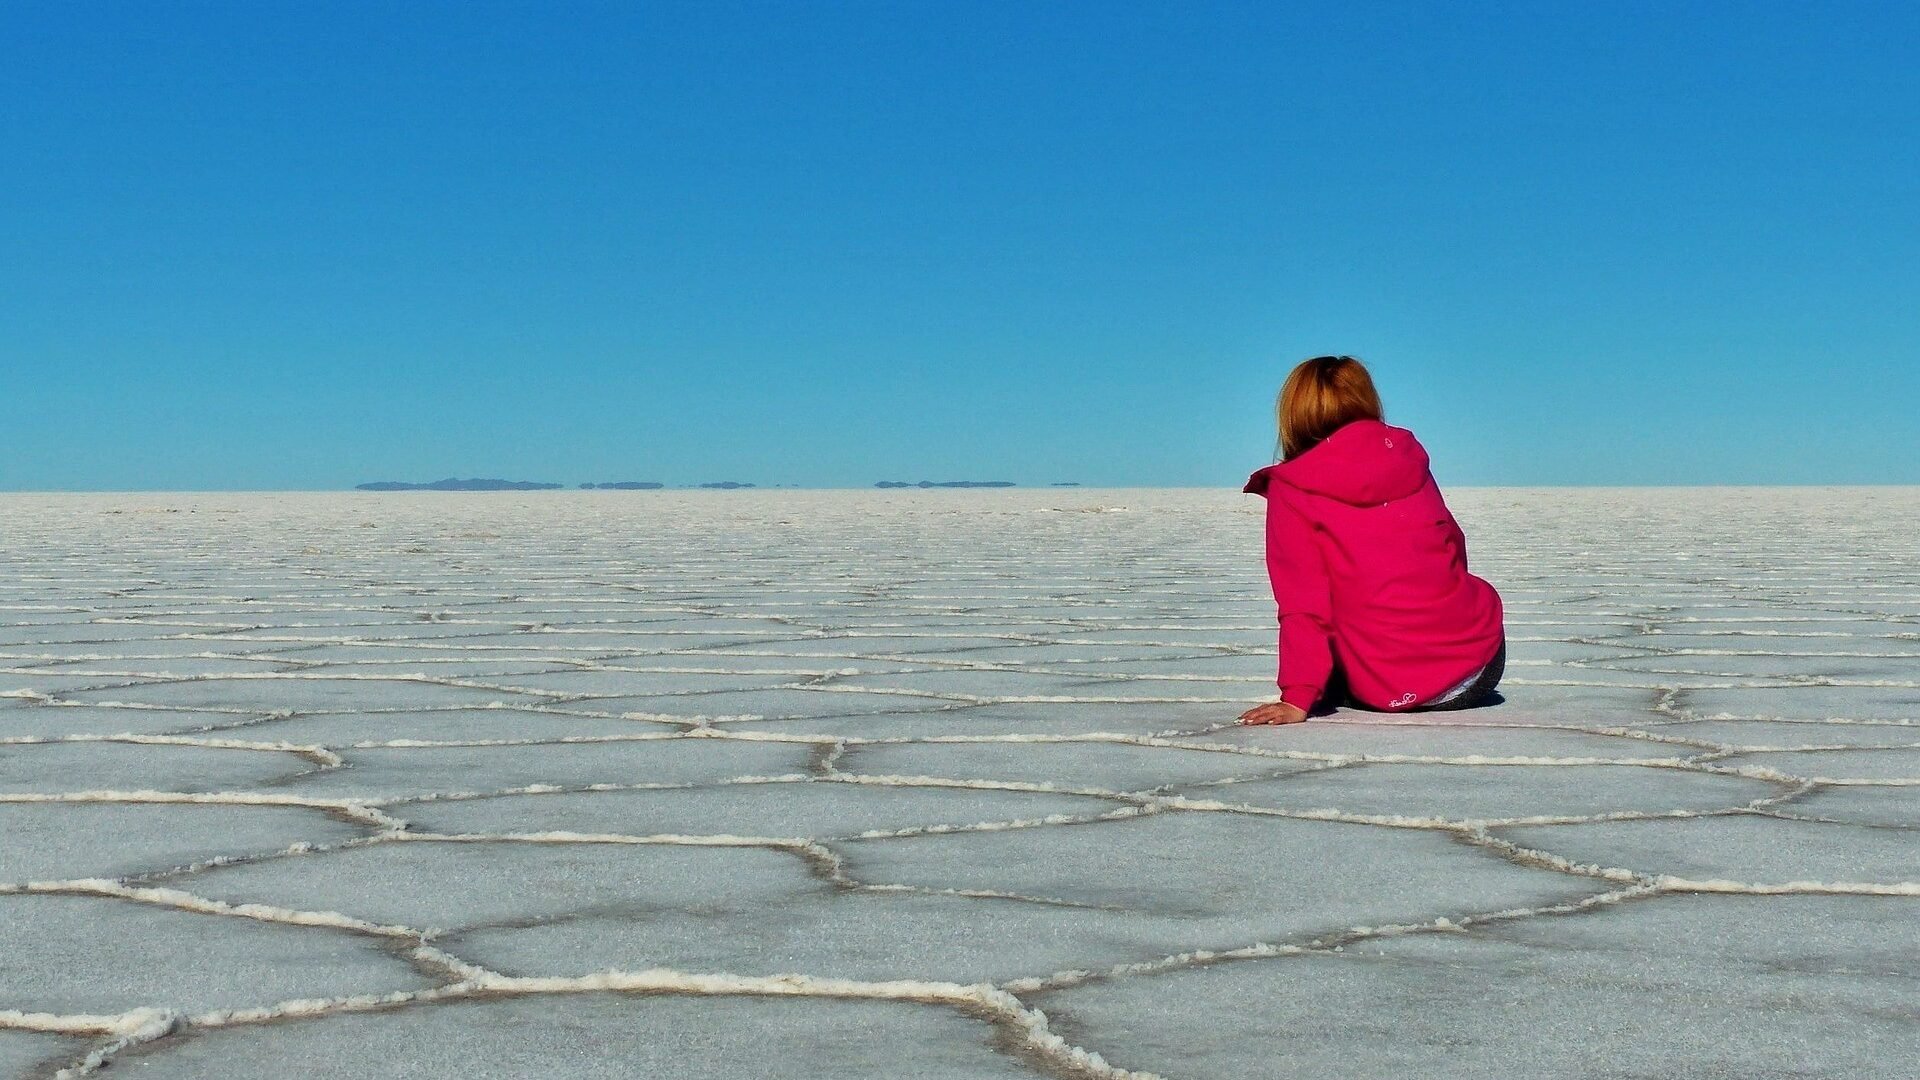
(1370, 572)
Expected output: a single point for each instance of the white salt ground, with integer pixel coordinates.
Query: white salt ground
(941, 784)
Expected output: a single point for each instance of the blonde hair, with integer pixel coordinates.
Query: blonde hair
(1321, 396)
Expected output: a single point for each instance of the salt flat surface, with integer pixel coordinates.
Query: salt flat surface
(942, 784)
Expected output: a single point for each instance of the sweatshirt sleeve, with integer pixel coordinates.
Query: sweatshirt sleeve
(1300, 590)
(1459, 540)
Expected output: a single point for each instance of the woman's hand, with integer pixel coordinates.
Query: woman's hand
(1274, 712)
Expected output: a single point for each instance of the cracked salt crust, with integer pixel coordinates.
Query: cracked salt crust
(501, 753)
(1664, 985)
(48, 840)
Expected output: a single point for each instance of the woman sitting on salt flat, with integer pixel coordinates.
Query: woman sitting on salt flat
(1369, 568)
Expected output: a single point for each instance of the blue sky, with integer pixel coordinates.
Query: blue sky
(301, 246)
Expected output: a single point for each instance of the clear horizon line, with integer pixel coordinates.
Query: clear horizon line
(912, 487)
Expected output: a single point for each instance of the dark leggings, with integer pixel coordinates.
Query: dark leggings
(1337, 695)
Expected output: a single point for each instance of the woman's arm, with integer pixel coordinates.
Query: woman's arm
(1300, 590)
(1459, 539)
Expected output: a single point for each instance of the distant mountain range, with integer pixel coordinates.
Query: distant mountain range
(945, 484)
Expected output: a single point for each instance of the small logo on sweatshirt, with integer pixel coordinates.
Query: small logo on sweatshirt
(1389, 443)
(1403, 699)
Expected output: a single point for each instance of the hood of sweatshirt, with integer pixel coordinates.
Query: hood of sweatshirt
(1365, 463)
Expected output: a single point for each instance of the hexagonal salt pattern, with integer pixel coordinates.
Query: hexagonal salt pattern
(941, 784)
(45, 767)
(1695, 985)
(46, 841)
(1888, 806)
(433, 884)
(602, 1037)
(52, 722)
(102, 955)
(1109, 766)
(388, 772)
(1495, 792)
(798, 808)
(1741, 848)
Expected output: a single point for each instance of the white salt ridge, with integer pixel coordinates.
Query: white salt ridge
(319, 755)
(185, 901)
(1329, 943)
(1005, 1010)
(1790, 888)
